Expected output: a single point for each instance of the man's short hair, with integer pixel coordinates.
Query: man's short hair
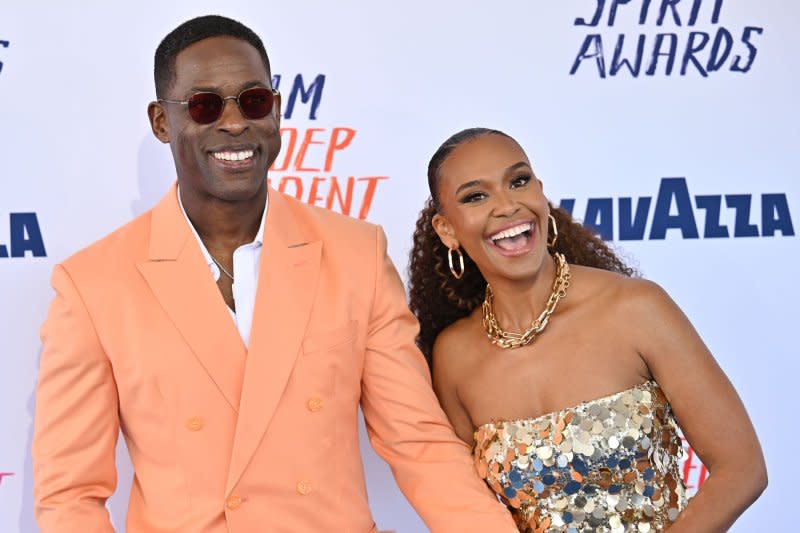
(195, 30)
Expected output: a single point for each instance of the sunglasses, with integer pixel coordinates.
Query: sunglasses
(205, 107)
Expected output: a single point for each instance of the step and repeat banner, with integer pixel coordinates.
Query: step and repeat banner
(668, 126)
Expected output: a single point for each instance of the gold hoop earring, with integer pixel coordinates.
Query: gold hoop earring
(455, 273)
(552, 242)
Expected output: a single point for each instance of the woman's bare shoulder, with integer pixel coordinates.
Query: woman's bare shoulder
(616, 288)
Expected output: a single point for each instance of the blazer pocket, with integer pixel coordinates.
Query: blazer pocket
(326, 340)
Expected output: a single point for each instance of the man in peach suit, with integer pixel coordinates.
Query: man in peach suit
(231, 332)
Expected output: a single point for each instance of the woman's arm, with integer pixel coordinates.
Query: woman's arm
(706, 406)
(447, 365)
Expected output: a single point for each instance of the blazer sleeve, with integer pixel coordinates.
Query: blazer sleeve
(408, 428)
(77, 421)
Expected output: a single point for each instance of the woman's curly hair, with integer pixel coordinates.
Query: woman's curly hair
(437, 298)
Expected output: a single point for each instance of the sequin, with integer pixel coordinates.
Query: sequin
(608, 465)
(545, 452)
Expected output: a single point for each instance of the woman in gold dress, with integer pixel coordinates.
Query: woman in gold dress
(563, 371)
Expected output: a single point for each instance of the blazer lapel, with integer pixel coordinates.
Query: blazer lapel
(287, 281)
(180, 280)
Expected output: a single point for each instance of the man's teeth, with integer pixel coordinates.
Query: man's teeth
(511, 232)
(233, 156)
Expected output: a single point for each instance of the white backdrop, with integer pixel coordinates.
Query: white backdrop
(711, 140)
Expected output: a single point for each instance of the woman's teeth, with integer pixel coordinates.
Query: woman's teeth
(511, 232)
(514, 238)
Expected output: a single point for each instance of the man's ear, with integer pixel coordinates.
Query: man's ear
(158, 121)
(444, 230)
(276, 109)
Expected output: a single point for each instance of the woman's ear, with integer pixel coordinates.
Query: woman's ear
(444, 230)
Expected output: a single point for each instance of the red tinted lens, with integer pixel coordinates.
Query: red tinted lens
(205, 108)
(256, 102)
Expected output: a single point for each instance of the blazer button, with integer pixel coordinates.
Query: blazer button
(304, 488)
(194, 423)
(314, 404)
(234, 502)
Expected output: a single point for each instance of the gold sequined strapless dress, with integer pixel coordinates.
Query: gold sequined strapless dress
(607, 465)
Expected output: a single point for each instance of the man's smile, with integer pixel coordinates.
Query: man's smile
(233, 155)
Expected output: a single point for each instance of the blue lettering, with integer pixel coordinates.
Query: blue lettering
(717, 9)
(568, 205)
(712, 206)
(775, 215)
(312, 93)
(617, 64)
(719, 46)
(631, 227)
(716, 60)
(3, 44)
(26, 236)
(662, 221)
(696, 10)
(644, 11)
(600, 217)
(597, 41)
(673, 48)
(691, 48)
(751, 56)
(3, 251)
(742, 226)
(674, 210)
(694, 13)
(663, 12)
(595, 18)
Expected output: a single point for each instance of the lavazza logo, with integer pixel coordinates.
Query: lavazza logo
(675, 208)
(688, 37)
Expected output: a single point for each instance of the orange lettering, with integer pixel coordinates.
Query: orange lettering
(335, 144)
(372, 184)
(334, 191)
(312, 194)
(301, 155)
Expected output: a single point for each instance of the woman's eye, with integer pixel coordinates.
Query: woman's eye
(472, 197)
(520, 181)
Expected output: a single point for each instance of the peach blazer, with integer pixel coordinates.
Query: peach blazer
(225, 438)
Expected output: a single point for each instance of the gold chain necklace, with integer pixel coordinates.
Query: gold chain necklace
(507, 339)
